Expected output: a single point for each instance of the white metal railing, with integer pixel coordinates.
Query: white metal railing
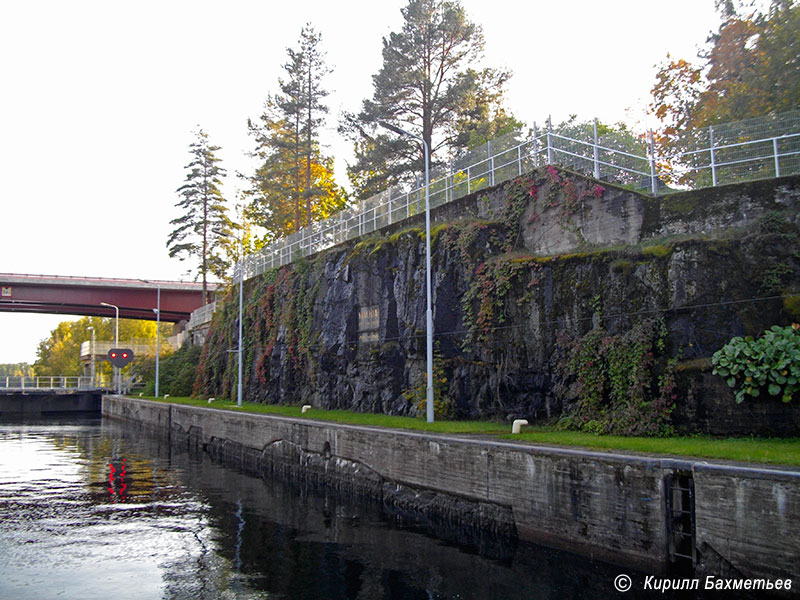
(101, 348)
(47, 383)
(753, 149)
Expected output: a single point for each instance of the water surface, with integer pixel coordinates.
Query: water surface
(96, 509)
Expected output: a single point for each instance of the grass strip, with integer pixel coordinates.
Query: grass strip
(783, 451)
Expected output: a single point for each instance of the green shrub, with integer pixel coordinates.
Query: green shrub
(177, 372)
(617, 384)
(771, 363)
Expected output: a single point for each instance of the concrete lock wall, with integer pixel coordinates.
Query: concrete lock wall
(610, 506)
(42, 403)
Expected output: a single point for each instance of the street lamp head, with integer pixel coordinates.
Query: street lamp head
(394, 128)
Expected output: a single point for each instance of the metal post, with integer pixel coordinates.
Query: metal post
(519, 159)
(653, 180)
(429, 312)
(429, 309)
(596, 153)
(777, 161)
(549, 144)
(451, 182)
(158, 332)
(469, 188)
(92, 352)
(713, 163)
(116, 340)
(535, 146)
(241, 286)
(491, 162)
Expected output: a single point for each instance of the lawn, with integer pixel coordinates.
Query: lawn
(785, 451)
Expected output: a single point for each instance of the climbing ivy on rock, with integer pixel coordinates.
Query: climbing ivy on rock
(620, 384)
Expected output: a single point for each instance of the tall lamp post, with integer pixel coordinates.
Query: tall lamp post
(116, 337)
(429, 311)
(157, 310)
(240, 268)
(91, 353)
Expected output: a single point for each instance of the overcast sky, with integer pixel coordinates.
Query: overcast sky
(99, 101)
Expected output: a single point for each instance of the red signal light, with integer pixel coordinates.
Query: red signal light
(120, 357)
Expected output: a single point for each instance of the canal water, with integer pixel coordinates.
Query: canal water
(93, 508)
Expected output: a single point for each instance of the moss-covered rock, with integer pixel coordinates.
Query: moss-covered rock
(499, 304)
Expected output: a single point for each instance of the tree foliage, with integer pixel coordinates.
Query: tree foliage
(293, 184)
(204, 224)
(177, 372)
(16, 370)
(428, 86)
(751, 68)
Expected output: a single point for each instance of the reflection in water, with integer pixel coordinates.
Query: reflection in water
(95, 509)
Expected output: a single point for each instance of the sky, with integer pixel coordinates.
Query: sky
(99, 101)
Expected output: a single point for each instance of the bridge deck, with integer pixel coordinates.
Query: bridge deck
(136, 298)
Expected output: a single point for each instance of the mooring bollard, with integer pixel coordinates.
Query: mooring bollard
(517, 425)
(306, 408)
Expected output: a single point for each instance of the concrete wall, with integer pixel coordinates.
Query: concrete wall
(607, 505)
(41, 403)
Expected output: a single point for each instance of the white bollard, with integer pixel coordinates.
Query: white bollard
(210, 400)
(166, 396)
(517, 425)
(306, 408)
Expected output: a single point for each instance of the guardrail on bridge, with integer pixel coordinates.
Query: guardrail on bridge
(54, 383)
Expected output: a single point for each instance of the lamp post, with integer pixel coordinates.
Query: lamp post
(429, 311)
(116, 337)
(240, 267)
(241, 286)
(91, 354)
(157, 310)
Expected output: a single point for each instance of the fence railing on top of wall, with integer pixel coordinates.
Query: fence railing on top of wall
(758, 148)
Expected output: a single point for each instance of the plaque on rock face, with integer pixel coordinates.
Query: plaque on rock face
(368, 324)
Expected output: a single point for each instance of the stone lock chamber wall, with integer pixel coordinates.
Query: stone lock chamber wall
(607, 505)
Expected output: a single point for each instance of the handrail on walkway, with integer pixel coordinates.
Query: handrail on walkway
(47, 383)
(759, 148)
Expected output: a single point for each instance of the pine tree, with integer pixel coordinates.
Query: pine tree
(427, 87)
(293, 184)
(204, 223)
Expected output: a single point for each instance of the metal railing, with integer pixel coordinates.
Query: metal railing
(101, 348)
(753, 149)
(47, 383)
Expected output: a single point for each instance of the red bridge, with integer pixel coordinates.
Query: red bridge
(136, 298)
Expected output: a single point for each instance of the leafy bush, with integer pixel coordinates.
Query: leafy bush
(177, 372)
(771, 363)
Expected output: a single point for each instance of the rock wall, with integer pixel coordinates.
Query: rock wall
(513, 267)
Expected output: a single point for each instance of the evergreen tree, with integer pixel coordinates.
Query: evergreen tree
(428, 87)
(204, 223)
(293, 184)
